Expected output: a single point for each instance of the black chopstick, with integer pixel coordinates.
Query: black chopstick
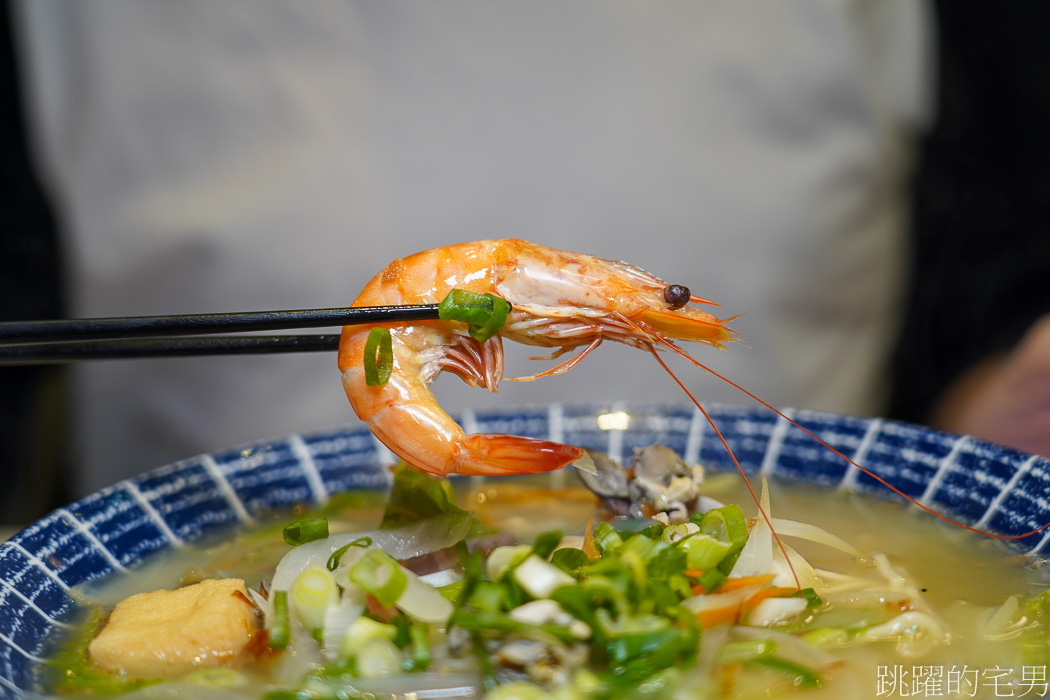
(21, 332)
(129, 348)
(51, 342)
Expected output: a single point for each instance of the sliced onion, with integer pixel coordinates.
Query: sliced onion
(756, 558)
(401, 543)
(773, 610)
(445, 577)
(338, 619)
(812, 533)
(716, 601)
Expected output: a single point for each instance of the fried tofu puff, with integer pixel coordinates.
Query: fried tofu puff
(164, 634)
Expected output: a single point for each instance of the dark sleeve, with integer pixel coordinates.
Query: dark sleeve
(32, 399)
(981, 245)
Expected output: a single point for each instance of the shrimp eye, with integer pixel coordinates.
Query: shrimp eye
(676, 295)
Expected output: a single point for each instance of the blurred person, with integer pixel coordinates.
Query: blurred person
(33, 400)
(217, 155)
(974, 352)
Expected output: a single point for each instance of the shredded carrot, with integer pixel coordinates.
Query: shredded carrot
(589, 547)
(693, 573)
(734, 611)
(736, 582)
(769, 592)
(710, 618)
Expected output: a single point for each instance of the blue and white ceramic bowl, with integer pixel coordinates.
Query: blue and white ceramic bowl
(981, 484)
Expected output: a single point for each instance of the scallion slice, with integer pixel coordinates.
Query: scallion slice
(569, 559)
(607, 539)
(725, 523)
(379, 574)
(745, 651)
(303, 531)
(801, 677)
(280, 632)
(333, 561)
(485, 313)
(419, 634)
(362, 631)
(379, 356)
(310, 595)
(704, 552)
(812, 599)
(546, 543)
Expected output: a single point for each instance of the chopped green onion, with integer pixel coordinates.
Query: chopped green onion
(626, 625)
(744, 651)
(663, 595)
(801, 676)
(826, 637)
(419, 634)
(631, 636)
(333, 561)
(540, 578)
(674, 533)
(379, 356)
(362, 631)
(503, 559)
(812, 599)
(485, 313)
(487, 596)
(481, 654)
(303, 531)
(712, 580)
(280, 630)
(380, 574)
(653, 532)
(597, 590)
(392, 584)
(680, 585)
(634, 562)
(665, 561)
(379, 658)
(726, 523)
(474, 621)
(606, 539)
(703, 552)
(401, 623)
(310, 595)
(453, 592)
(546, 543)
(569, 559)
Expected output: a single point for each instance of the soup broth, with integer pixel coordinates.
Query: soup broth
(971, 589)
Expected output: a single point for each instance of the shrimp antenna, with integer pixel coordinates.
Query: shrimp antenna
(670, 345)
(747, 482)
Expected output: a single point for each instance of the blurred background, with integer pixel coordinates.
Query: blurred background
(863, 180)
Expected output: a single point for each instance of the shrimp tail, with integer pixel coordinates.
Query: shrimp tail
(491, 454)
(405, 418)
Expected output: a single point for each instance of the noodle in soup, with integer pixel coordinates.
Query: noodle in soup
(548, 596)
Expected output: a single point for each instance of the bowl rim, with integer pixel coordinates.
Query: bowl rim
(230, 485)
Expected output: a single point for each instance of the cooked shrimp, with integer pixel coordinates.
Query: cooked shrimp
(566, 301)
